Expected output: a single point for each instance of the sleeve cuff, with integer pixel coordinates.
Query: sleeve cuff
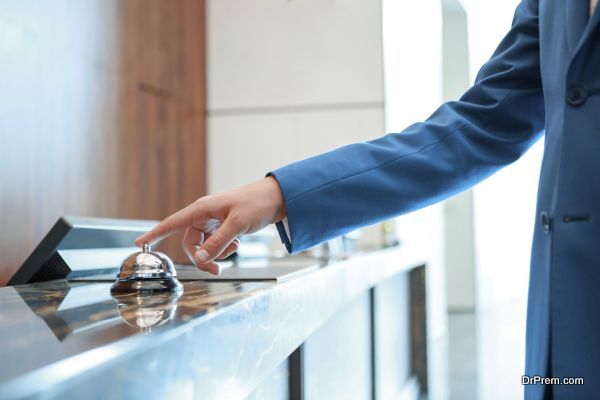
(282, 226)
(284, 234)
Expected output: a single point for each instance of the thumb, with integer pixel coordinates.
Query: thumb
(218, 241)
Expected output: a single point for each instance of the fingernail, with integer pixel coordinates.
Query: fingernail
(202, 256)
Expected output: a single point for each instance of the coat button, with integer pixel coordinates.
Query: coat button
(546, 222)
(576, 95)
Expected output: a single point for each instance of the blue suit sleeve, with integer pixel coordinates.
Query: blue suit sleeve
(462, 142)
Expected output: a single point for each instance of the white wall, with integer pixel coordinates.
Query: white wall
(288, 80)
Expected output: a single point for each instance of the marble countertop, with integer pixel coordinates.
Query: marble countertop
(215, 340)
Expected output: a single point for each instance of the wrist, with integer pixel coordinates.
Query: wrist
(276, 194)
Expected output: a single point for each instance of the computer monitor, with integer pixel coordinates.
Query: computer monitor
(76, 247)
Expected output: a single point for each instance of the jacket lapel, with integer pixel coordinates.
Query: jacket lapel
(589, 27)
(577, 16)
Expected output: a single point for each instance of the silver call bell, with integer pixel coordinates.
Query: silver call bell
(147, 271)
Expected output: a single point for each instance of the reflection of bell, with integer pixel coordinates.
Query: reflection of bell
(145, 310)
(147, 271)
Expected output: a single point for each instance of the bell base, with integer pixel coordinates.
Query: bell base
(146, 285)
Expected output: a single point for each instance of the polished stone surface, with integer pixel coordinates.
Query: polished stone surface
(337, 357)
(392, 336)
(47, 322)
(216, 340)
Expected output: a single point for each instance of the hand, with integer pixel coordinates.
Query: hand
(213, 223)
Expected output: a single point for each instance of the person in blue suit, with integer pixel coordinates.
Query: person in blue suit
(544, 78)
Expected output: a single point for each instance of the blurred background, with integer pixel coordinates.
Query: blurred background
(134, 108)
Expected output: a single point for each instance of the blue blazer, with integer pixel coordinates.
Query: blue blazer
(544, 76)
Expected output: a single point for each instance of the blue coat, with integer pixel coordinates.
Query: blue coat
(544, 76)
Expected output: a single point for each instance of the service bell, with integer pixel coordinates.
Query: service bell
(147, 271)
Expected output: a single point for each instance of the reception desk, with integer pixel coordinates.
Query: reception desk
(353, 329)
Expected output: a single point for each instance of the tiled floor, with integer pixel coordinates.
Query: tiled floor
(462, 358)
(486, 353)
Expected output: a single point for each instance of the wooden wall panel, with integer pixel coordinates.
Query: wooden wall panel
(102, 114)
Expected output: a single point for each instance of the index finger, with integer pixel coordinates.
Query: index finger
(173, 223)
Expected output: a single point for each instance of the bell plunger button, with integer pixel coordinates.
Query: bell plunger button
(147, 271)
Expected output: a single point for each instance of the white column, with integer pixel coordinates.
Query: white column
(459, 245)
